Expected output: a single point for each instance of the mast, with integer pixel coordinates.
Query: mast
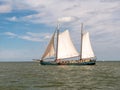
(57, 41)
(81, 41)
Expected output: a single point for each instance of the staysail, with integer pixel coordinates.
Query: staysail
(66, 48)
(87, 51)
(50, 51)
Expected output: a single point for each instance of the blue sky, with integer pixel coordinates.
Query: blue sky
(27, 25)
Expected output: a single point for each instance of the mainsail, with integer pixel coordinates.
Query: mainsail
(87, 51)
(50, 51)
(66, 48)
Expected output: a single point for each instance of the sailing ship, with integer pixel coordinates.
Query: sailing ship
(61, 50)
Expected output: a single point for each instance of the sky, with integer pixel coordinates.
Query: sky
(26, 26)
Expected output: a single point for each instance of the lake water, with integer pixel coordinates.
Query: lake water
(32, 76)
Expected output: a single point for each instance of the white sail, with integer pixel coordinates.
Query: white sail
(50, 51)
(87, 51)
(66, 48)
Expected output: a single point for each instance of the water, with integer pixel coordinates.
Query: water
(32, 76)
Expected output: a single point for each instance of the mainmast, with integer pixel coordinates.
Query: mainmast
(81, 41)
(57, 40)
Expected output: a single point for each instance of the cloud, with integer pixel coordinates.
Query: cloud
(12, 18)
(45, 35)
(10, 34)
(66, 19)
(37, 37)
(36, 18)
(48, 12)
(5, 8)
(29, 36)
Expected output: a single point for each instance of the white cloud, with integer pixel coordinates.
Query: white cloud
(45, 35)
(29, 38)
(91, 12)
(66, 19)
(6, 8)
(36, 37)
(10, 34)
(12, 18)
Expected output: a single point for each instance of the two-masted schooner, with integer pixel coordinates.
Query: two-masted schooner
(61, 48)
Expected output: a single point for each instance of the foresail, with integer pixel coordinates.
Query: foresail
(66, 48)
(87, 51)
(50, 51)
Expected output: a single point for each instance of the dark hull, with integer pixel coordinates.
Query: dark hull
(75, 63)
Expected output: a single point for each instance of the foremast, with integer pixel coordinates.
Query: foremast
(81, 41)
(58, 26)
